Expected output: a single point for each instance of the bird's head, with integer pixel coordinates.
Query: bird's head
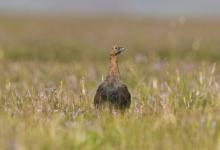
(116, 50)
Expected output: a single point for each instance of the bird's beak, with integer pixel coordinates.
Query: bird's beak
(121, 49)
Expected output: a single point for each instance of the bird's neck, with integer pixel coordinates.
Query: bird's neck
(114, 70)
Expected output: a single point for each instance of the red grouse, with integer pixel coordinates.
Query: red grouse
(112, 91)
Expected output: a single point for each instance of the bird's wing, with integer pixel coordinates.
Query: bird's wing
(125, 95)
(100, 94)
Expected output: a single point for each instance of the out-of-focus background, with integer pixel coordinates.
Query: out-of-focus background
(157, 8)
(64, 28)
(54, 54)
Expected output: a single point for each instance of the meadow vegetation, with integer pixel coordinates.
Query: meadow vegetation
(50, 69)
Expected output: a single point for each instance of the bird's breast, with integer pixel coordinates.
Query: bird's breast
(112, 95)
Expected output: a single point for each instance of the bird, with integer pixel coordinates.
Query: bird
(112, 91)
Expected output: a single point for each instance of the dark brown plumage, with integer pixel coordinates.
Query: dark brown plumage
(112, 91)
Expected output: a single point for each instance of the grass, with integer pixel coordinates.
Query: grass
(50, 72)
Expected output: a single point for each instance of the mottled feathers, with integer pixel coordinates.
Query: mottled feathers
(115, 94)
